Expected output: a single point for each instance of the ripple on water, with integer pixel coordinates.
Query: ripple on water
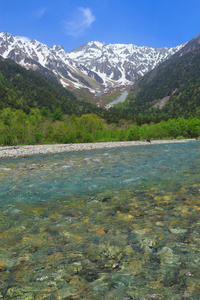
(120, 224)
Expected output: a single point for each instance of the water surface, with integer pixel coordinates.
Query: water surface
(118, 223)
(119, 99)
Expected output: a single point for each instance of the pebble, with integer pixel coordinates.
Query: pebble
(17, 151)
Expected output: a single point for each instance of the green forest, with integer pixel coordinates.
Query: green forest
(178, 78)
(17, 127)
(26, 89)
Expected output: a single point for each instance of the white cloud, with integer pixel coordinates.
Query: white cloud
(82, 20)
(26, 39)
(40, 12)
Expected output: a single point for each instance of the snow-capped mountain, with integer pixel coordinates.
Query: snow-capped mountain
(94, 66)
(119, 63)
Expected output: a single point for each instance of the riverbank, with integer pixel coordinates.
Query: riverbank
(20, 151)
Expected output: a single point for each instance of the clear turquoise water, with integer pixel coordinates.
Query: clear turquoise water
(118, 223)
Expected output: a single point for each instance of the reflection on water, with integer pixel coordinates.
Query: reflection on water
(101, 224)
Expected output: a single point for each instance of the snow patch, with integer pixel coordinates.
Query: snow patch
(105, 60)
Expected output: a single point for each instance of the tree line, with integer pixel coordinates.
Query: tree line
(17, 127)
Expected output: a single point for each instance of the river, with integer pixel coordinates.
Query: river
(120, 99)
(119, 223)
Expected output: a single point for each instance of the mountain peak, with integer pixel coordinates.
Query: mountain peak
(191, 45)
(95, 44)
(6, 36)
(95, 65)
(57, 48)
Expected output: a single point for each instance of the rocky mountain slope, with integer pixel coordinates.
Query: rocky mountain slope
(118, 64)
(93, 66)
(173, 87)
(25, 89)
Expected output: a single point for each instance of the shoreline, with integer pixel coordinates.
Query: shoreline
(28, 150)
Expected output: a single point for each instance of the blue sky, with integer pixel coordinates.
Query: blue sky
(69, 23)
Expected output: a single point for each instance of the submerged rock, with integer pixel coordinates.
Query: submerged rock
(178, 230)
(106, 199)
(167, 256)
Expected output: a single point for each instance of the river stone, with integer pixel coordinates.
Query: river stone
(178, 230)
(168, 257)
(21, 293)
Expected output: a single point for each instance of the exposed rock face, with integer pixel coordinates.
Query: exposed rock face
(119, 64)
(94, 66)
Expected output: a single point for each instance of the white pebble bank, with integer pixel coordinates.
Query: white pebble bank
(17, 151)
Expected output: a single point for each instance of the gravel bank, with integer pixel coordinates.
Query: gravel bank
(17, 151)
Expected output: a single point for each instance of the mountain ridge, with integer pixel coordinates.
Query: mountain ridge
(23, 89)
(94, 66)
(173, 86)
